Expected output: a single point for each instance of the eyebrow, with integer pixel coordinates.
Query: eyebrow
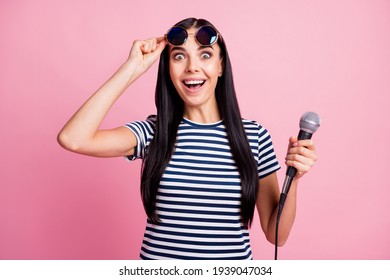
(183, 49)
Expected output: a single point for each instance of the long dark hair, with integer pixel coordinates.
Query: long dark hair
(170, 109)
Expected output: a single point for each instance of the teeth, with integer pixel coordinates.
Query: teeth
(195, 82)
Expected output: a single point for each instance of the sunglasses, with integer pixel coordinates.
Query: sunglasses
(205, 35)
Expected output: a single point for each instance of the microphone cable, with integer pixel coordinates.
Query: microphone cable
(282, 200)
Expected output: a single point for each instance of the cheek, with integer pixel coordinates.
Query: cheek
(172, 73)
(174, 70)
(214, 68)
(213, 71)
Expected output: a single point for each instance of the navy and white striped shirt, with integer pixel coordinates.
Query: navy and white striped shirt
(198, 200)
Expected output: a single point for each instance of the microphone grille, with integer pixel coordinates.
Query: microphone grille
(309, 122)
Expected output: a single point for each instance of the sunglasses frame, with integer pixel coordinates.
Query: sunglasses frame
(193, 34)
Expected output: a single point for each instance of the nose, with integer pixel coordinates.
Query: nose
(192, 65)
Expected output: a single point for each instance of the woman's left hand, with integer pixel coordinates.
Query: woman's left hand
(301, 155)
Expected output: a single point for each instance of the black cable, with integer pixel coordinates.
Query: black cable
(282, 200)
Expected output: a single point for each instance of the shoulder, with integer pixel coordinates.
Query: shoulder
(152, 119)
(255, 130)
(252, 125)
(146, 127)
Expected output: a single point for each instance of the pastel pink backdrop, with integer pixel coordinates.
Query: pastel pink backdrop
(288, 57)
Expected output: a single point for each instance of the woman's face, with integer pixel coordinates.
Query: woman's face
(194, 70)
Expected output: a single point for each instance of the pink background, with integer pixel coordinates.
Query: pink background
(331, 57)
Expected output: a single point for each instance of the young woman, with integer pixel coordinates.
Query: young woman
(204, 167)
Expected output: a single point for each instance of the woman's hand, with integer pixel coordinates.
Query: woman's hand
(301, 155)
(144, 53)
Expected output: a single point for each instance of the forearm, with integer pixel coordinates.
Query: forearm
(83, 125)
(301, 155)
(287, 217)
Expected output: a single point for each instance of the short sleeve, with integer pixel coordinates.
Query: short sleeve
(267, 162)
(144, 133)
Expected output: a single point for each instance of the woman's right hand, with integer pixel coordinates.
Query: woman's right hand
(144, 53)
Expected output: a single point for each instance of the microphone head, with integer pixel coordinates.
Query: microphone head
(309, 122)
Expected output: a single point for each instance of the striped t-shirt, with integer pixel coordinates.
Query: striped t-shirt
(198, 200)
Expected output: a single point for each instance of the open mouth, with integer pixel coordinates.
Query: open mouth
(194, 84)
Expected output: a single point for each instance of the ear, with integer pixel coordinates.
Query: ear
(222, 67)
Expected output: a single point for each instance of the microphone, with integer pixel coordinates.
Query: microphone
(308, 124)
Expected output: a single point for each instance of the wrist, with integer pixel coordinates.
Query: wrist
(128, 69)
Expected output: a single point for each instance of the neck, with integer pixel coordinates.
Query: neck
(202, 115)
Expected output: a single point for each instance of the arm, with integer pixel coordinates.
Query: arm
(302, 156)
(81, 133)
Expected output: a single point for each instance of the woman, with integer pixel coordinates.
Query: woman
(204, 167)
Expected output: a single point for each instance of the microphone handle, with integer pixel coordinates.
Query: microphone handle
(292, 171)
(303, 135)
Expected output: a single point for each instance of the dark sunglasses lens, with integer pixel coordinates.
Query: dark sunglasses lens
(177, 36)
(206, 35)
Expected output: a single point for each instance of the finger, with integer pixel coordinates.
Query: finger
(151, 53)
(308, 161)
(154, 44)
(160, 39)
(136, 49)
(299, 166)
(292, 140)
(149, 44)
(137, 44)
(158, 47)
(303, 151)
(157, 41)
(308, 143)
(146, 46)
(161, 43)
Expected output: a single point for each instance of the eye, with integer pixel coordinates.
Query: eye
(206, 55)
(178, 56)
